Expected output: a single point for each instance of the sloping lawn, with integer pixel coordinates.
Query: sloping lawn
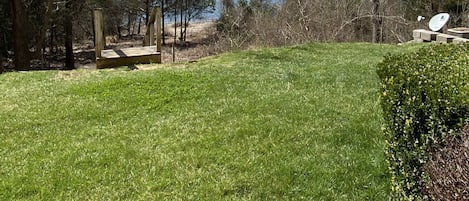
(297, 123)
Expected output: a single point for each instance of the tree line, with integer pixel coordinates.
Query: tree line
(247, 23)
(34, 32)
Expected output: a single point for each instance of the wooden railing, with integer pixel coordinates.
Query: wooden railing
(149, 39)
(150, 53)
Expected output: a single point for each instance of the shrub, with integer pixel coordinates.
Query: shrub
(424, 98)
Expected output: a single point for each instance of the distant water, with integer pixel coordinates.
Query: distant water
(214, 14)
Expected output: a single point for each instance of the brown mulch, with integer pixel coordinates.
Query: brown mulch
(449, 169)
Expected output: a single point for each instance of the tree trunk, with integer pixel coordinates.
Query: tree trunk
(139, 24)
(92, 19)
(377, 23)
(119, 32)
(68, 25)
(162, 21)
(22, 54)
(51, 39)
(147, 11)
(133, 24)
(129, 22)
(3, 49)
(1, 62)
(180, 16)
(175, 33)
(186, 23)
(40, 36)
(1, 53)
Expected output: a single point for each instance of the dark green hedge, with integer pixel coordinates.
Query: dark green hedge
(424, 96)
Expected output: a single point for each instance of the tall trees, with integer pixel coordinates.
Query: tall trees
(296, 21)
(68, 26)
(187, 11)
(34, 23)
(193, 9)
(21, 50)
(34, 28)
(377, 33)
(5, 30)
(30, 23)
(239, 22)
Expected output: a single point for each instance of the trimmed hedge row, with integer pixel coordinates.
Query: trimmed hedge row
(424, 98)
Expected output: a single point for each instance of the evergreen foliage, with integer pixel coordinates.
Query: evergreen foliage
(424, 98)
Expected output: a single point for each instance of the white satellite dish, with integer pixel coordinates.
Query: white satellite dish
(438, 21)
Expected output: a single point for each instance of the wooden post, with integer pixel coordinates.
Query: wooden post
(158, 29)
(146, 39)
(150, 34)
(162, 21)
(174, 37)
(100, 42)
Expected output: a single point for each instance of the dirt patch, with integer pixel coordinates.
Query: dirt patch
(199, 42)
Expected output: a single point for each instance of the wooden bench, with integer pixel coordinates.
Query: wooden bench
(150, 53)
(128, 56)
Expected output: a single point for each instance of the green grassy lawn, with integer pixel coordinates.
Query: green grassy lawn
(298, 123)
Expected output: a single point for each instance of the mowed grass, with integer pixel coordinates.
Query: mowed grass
(297, 123)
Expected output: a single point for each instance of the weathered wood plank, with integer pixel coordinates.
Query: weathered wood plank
(125, 61)
(149, 38)
(129, 52)
(128, 56)
(158, 29)
(100, 42)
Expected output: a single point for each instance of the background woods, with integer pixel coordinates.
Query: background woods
(38, 34)
(297, 21)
